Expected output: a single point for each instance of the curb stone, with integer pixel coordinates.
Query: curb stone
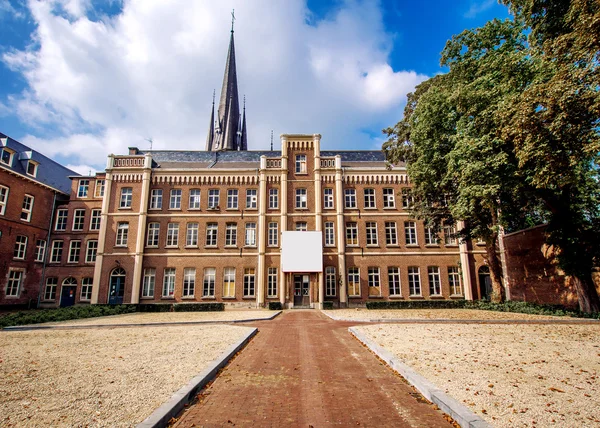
(155, 324)
(161, 416)
(461, 414)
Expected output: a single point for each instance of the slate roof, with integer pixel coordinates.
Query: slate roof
(49, 172)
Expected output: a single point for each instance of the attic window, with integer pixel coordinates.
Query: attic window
(6, 156)
(32, 168)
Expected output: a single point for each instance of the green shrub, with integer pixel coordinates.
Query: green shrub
(64, 314)
(155, 307)
(199, 307)
(275, 306)
(328, 305)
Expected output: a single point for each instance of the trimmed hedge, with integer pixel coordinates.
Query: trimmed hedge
(63, 314)
(417, 304)
(199, 307)
(275, 306)
(328, 305)
(155, 307)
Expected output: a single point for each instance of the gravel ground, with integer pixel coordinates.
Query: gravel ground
(373, 314)
(511, 375)
(161, 317)
(101, 378)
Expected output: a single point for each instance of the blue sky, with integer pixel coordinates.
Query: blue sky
(80, 79)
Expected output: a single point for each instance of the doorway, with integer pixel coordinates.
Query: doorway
(117, 287)
(485, 283)
(301, 290)
(68, 292)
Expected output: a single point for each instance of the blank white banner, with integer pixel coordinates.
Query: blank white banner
(302, 251)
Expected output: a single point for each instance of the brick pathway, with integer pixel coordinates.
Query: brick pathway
(305, 370)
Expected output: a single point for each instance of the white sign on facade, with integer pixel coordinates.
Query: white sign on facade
(302, 251)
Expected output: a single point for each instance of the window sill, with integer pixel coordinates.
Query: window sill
(173, 209)
(230, 246)
(412, 246)
(371, 208)
(251, 209)
(167, 298)
(155, 209)
(191, 246)
(72, 263)
(372, 245)
(18, 259)
(248, 298)
(432, 245)
(451, 245)
(228, 298)
(125, 208)
(76, 230)
(211, 246)
(172, 246)
(187, 297)
(231, 209)
(147, 298)
(60, 230)
(396, 296)
(250, 246)
(120, 246)
(457, 296)
(393, 245)
(301, 208)
(354, 297)
(375, 297)
(350, 208)
(329, 246)
(436, 296)
(208, 298)
(275, 297)
(151, 246)
(389, 208)
(415, 297)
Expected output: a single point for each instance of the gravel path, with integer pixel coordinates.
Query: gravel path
(163, 317)
(466, 314)
(511, 375)
(102, 378)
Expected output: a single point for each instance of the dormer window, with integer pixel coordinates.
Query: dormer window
(32, 168)
(6, 156)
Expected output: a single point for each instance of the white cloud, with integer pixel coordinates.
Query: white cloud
(82, 169)
(478, 7)
(150, 72)
(7, 9)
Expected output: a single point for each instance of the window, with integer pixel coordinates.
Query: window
(414, 281)
(430, 236)
(27, 207)
(50, 289)
(172, 235)
(251, 199)
(229, 282)
(20, 247)
(84, 187)
(391, 234)
(410, 232)
(6, 157)
(32, 168)
(351, 234)
(454, 281)
(168, 282)
(301, 201)
(149, 282)
(374, 282)
(126, 197)
(328, 198)
(122, 232)
(13, 286)
(74, 250)
(353, 282)
(231, 235)
(435, 287)
(371, 227)
(99, 191)
(450, 235)
(189, 282)
(273, 199)
(407, 198)
(191, 236)
(300, 164)
(40, 250)
(394, 281)
(272, 282)
(95, 220)
(250, 234)
(156, 197)
(3, 199)
(194, 201)
(301, 226)
(370, 198)
(249, 282)
(273, 234)
(209, 283)
(153, 234)
(78, 219)
(388, 198)
(211, 234)
(232, 199)
(57, 249)
(61, 219)
(329, 234)
(91, 251)
(350, 198)
(330, 281)
(213, 199)
(86, 289)
(175, 199)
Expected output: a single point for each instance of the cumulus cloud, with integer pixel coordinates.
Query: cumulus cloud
(478, 7)
(7, 9)
(107, 83)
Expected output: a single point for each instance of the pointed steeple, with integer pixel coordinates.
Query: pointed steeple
(230, 130)
(211, 127)
(244, 138)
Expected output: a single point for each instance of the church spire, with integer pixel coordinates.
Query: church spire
(229, 122)
(211, 127)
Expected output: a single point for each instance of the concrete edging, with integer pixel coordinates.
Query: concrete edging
(155, 324)
(161, 416)
(460, 413)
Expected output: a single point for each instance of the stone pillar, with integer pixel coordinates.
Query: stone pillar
(283, 221)
(502, 248)
(341, 242)
(318, 207)
(465, 265)
(141, 231)
(102, 231)
(262, 210)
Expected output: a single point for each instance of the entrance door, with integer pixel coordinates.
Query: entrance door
(301, 290)
(117, 287)
(67, 295)
(485, 283)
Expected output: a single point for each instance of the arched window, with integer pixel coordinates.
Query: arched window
(70, 281)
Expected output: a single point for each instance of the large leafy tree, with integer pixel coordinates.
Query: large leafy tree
(510, 133)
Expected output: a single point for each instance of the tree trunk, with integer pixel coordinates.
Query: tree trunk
(495, 270)
(586, 293)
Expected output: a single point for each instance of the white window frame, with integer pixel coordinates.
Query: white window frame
(99, 189)
(11, 154)
(389, 199)
(122, 234)
(330, 281)
(369, 198)
(95, 219)
(431, 238)
(251, 199)
(62, 216)
(414, 281)
(249, 282)
(169, 275)
(87, 285)
(454, 280)
(435, 280)
(250, 235)
(191, 234)
(20, 250)
(394, 281)
(350, 198)
(328, 201)
(83, 188)
(272, 282)
(353, 281)
(4, 190)
(213, 199)
(189, 282)
(273, 199)
(233, 196)
(126, 198)
(351, 234)
(301, 226)
(212, 234)
(329, 234)
(175, 196)
(40, 250)
(172, 235)
(301, 198)
(156, 199)
(407, 198)
(229, 282)
(410, 233)
(374, 281)
(149, 283)
(273, 234)
(57, 250)
(91, 251)
(231, 235)
(35, 168)
(300, 164)
(194, 199)
(78, 219)
(449, 239)
(208, 282)
(14, 282)
(27, 208)
(391, 233)
(50, 289)
(371, 234)
(153, 235)
(74, 251)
